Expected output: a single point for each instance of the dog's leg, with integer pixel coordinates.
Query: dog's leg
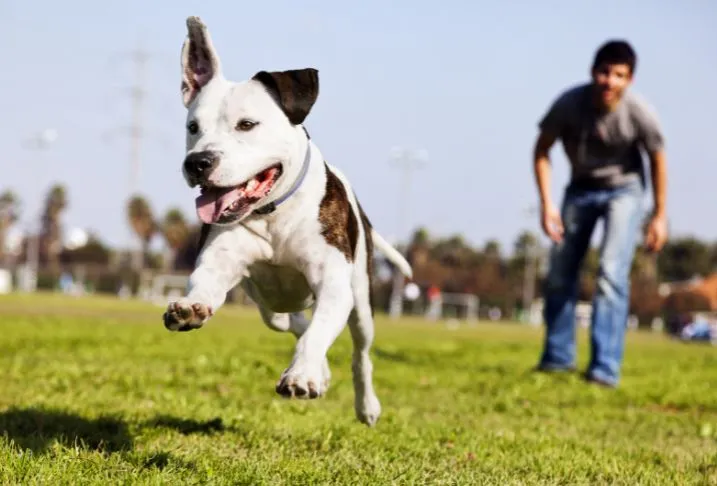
(366, 403)
(331, 281)
(295, 322)
(219, 268)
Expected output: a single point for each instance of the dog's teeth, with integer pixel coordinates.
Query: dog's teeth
(252, 185)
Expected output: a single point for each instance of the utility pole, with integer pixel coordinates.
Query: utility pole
(407, 161)
(136, 131)
(138, 94)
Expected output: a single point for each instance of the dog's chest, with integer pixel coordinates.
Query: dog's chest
(283, 288)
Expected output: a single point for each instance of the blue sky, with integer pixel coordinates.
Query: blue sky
(466, 81)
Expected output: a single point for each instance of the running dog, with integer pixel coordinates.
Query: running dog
(277, 220)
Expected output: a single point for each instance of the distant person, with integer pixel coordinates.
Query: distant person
(435, 304)
(603, 128)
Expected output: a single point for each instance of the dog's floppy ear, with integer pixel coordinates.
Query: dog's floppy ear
(200, 62)
(295, 90)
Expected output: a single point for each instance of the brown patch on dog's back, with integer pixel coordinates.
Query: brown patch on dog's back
(339, 226)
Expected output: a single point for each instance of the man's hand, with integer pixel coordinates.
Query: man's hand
(551, 222)
(656, 233)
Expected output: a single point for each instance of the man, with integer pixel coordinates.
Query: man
(603, 128)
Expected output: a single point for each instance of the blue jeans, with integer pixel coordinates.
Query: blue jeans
(622, 211)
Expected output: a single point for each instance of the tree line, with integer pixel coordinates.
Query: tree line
(498, 275)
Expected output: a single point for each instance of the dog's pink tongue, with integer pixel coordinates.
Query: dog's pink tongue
(213, 202)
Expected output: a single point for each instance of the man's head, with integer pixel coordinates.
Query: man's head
(243, 139)
(612, 71)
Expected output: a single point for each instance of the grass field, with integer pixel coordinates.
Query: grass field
(96, 391)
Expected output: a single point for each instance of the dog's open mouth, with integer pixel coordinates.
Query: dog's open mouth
(228, 204)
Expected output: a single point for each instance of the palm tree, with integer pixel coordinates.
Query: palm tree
(175, 231)
(143, 224)
(418, 248)
(51, 239)
(492, 250)
(9, 213)
(452, 251)
(525, 244)
(420, 238)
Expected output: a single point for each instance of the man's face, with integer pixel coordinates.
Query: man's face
(610, 82)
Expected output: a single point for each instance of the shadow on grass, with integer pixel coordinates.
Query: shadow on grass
(37, 429)
(394, 356)
(188, 426)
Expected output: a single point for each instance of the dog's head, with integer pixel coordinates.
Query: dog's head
(243, 142)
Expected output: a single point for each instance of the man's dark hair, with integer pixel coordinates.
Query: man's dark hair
(616, 52)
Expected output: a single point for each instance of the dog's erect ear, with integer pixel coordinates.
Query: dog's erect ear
(200, 62)
(295, 90)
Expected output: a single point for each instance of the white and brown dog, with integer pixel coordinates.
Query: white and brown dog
(278, 220)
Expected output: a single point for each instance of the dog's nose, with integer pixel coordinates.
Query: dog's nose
(199, 165)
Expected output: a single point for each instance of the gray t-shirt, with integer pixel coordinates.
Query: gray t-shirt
(603, 149)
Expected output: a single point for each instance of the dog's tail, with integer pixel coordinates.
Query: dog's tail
(392, 254)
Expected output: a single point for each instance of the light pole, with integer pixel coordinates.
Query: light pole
(532, 254)
(407, 161)
(41, 142)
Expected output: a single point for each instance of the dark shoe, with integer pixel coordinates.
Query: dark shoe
(594, 380)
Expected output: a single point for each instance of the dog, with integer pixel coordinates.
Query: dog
(277, 219)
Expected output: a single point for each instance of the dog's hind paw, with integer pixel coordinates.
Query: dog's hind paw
(368, 409)
(184, 316)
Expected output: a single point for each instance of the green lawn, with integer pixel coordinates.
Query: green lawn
(97, 391)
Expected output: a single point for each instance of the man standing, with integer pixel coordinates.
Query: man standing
(603, 128)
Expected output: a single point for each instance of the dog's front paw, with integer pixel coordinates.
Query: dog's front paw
(185, 316)
(304, 380)
(326, 375)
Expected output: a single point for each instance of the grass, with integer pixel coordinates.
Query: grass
(96, 391)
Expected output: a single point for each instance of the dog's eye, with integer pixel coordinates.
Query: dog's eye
(246, 125)
(193, 127)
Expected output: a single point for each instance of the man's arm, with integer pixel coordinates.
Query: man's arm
(551, 126)
(550, 219)
(654, 144)
(656, 233)
(658, 170)
(541, 165)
